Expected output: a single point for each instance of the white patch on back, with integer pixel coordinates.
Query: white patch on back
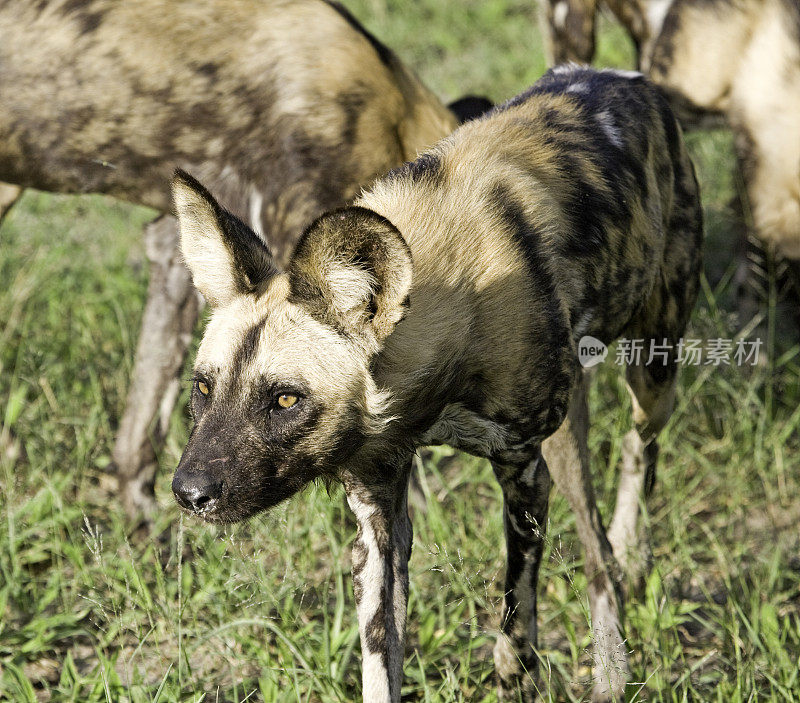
(577, 88)
(564, 68)
(606, 120)
(622, 73)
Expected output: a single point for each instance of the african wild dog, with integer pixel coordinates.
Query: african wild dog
(732, 59)
(445, 307)
(285, 108)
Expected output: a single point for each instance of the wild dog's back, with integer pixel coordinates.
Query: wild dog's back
(285, 108)
(558, 203)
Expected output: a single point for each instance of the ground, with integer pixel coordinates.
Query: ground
(264, 611)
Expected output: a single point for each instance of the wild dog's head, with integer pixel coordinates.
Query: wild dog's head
(282, 390)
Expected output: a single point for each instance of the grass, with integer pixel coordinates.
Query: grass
(264, 611)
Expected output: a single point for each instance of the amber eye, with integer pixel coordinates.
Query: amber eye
(287, 400)
(202, 386)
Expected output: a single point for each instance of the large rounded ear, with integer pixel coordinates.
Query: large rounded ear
(352, 269)
(225, 256)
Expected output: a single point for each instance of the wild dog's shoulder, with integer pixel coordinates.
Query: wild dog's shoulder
(608, 121)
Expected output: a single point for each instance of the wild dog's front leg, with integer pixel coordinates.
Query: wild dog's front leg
(627, 535)
(526, 491)
(652, 390)
(380, 581)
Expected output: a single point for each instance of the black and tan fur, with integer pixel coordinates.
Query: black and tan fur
(284, 108)
(445, 307)
(738, 60)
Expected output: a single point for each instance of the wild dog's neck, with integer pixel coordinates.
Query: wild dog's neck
(425, 355)
(476, 330)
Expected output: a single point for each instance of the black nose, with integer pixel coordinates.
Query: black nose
(196, 490)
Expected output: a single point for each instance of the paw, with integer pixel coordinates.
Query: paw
(517, 681)
(610, 670)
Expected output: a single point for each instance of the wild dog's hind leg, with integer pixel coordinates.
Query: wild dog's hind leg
(567, 456)
(526, 494)
(653, 396)
(167, 325)
(661, 323)
(380, 579)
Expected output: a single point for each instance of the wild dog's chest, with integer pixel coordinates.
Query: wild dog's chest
(464, 429)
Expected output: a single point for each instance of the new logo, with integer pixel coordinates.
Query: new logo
(591, 351)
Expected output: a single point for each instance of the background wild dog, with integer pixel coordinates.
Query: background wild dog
(284, 108)
(736, 59)
(445, 307)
